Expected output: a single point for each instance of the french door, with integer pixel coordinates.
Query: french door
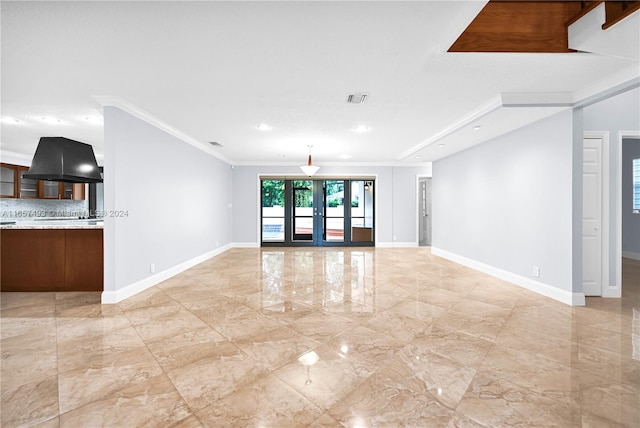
(306, 212)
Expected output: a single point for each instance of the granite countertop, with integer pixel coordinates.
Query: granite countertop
(58, 223)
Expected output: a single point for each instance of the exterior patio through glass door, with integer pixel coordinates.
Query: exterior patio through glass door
(312, 212)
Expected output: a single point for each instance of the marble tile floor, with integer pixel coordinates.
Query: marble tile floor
(322, 338)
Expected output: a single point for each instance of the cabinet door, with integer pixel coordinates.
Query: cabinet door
(49, 189)
(67, 190)
(8, 181)
(28, 187)
(74, 191)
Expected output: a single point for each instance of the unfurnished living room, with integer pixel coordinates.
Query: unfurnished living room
(320, 213)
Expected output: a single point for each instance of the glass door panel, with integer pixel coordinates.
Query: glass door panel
(273, 211)
(317, 212)
(362, 210)
(28, 186)
(303, 213)
(334, 210)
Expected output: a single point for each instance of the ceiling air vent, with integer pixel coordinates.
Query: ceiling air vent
(215, 144)
(356, 98)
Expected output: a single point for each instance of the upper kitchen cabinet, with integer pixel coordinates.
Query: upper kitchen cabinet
(8, 180)
(57, 190)
(14, 185)
(28, 187)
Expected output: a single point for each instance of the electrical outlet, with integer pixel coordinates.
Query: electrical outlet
(536, 271)
(152, 268)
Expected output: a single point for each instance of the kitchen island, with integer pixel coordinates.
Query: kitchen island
(51, 255)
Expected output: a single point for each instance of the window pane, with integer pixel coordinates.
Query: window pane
(273, 210)
(335, 229)
(273, 195)
(273, 229)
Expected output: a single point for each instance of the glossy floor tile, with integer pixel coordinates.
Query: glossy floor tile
(322, 338)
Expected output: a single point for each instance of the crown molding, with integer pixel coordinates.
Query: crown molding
(112, 101)
(622, 81)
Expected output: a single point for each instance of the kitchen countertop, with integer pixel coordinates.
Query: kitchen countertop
(52, 224)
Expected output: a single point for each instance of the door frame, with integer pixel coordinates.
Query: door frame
(622, 135)
(285, 176)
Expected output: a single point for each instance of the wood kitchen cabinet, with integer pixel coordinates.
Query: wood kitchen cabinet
(51, 260)
(14, 185)
(8, 180)
(27, 187)
(57, 190)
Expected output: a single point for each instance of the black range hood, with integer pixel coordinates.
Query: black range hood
(62, 159)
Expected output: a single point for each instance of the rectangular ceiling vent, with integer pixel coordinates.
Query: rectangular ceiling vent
(215, 144)
(356, 98)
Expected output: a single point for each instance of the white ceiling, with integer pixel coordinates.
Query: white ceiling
(213, 71)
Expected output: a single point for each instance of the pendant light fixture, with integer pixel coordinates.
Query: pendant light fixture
(309, 169)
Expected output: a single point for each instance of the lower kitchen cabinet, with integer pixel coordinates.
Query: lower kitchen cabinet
(51, 260)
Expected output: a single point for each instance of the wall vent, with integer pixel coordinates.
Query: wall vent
(356, 98)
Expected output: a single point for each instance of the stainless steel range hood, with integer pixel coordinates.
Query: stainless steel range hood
(62, 159)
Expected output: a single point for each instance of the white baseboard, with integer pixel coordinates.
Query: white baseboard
(631, 255)
(396, 244)
(567, 297)
(245, 245)
(112, 297)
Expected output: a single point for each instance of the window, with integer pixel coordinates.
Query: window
(636, 185)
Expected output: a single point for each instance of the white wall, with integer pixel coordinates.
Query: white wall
(630, 221)
(506, 206)
(176, 202)
(613, 115)
(396, 199)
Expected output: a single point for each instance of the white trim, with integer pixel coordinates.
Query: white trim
(397, 244)
(245, 245)
(564, 296)
(618, 269)
(490, 106)
(631, 255)
(110, 101)
(112, 297)
(339, 164)
(606, 289)
(622, 81)
(15, 158)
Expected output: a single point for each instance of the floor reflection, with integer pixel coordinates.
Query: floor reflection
(322, 337)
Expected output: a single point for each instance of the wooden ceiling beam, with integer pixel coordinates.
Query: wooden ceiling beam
(520, 26)
(616, 11)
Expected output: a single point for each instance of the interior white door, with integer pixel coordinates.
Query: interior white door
(424, 212)
(592, 217)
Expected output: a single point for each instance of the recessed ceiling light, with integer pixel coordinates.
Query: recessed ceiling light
(11, 120)
(96, 120)
(477, 127)
(215, 144)
(361, 128)
(418, 156)
(440, 145)
(51, 120)
(263, 127)
(345, 156)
